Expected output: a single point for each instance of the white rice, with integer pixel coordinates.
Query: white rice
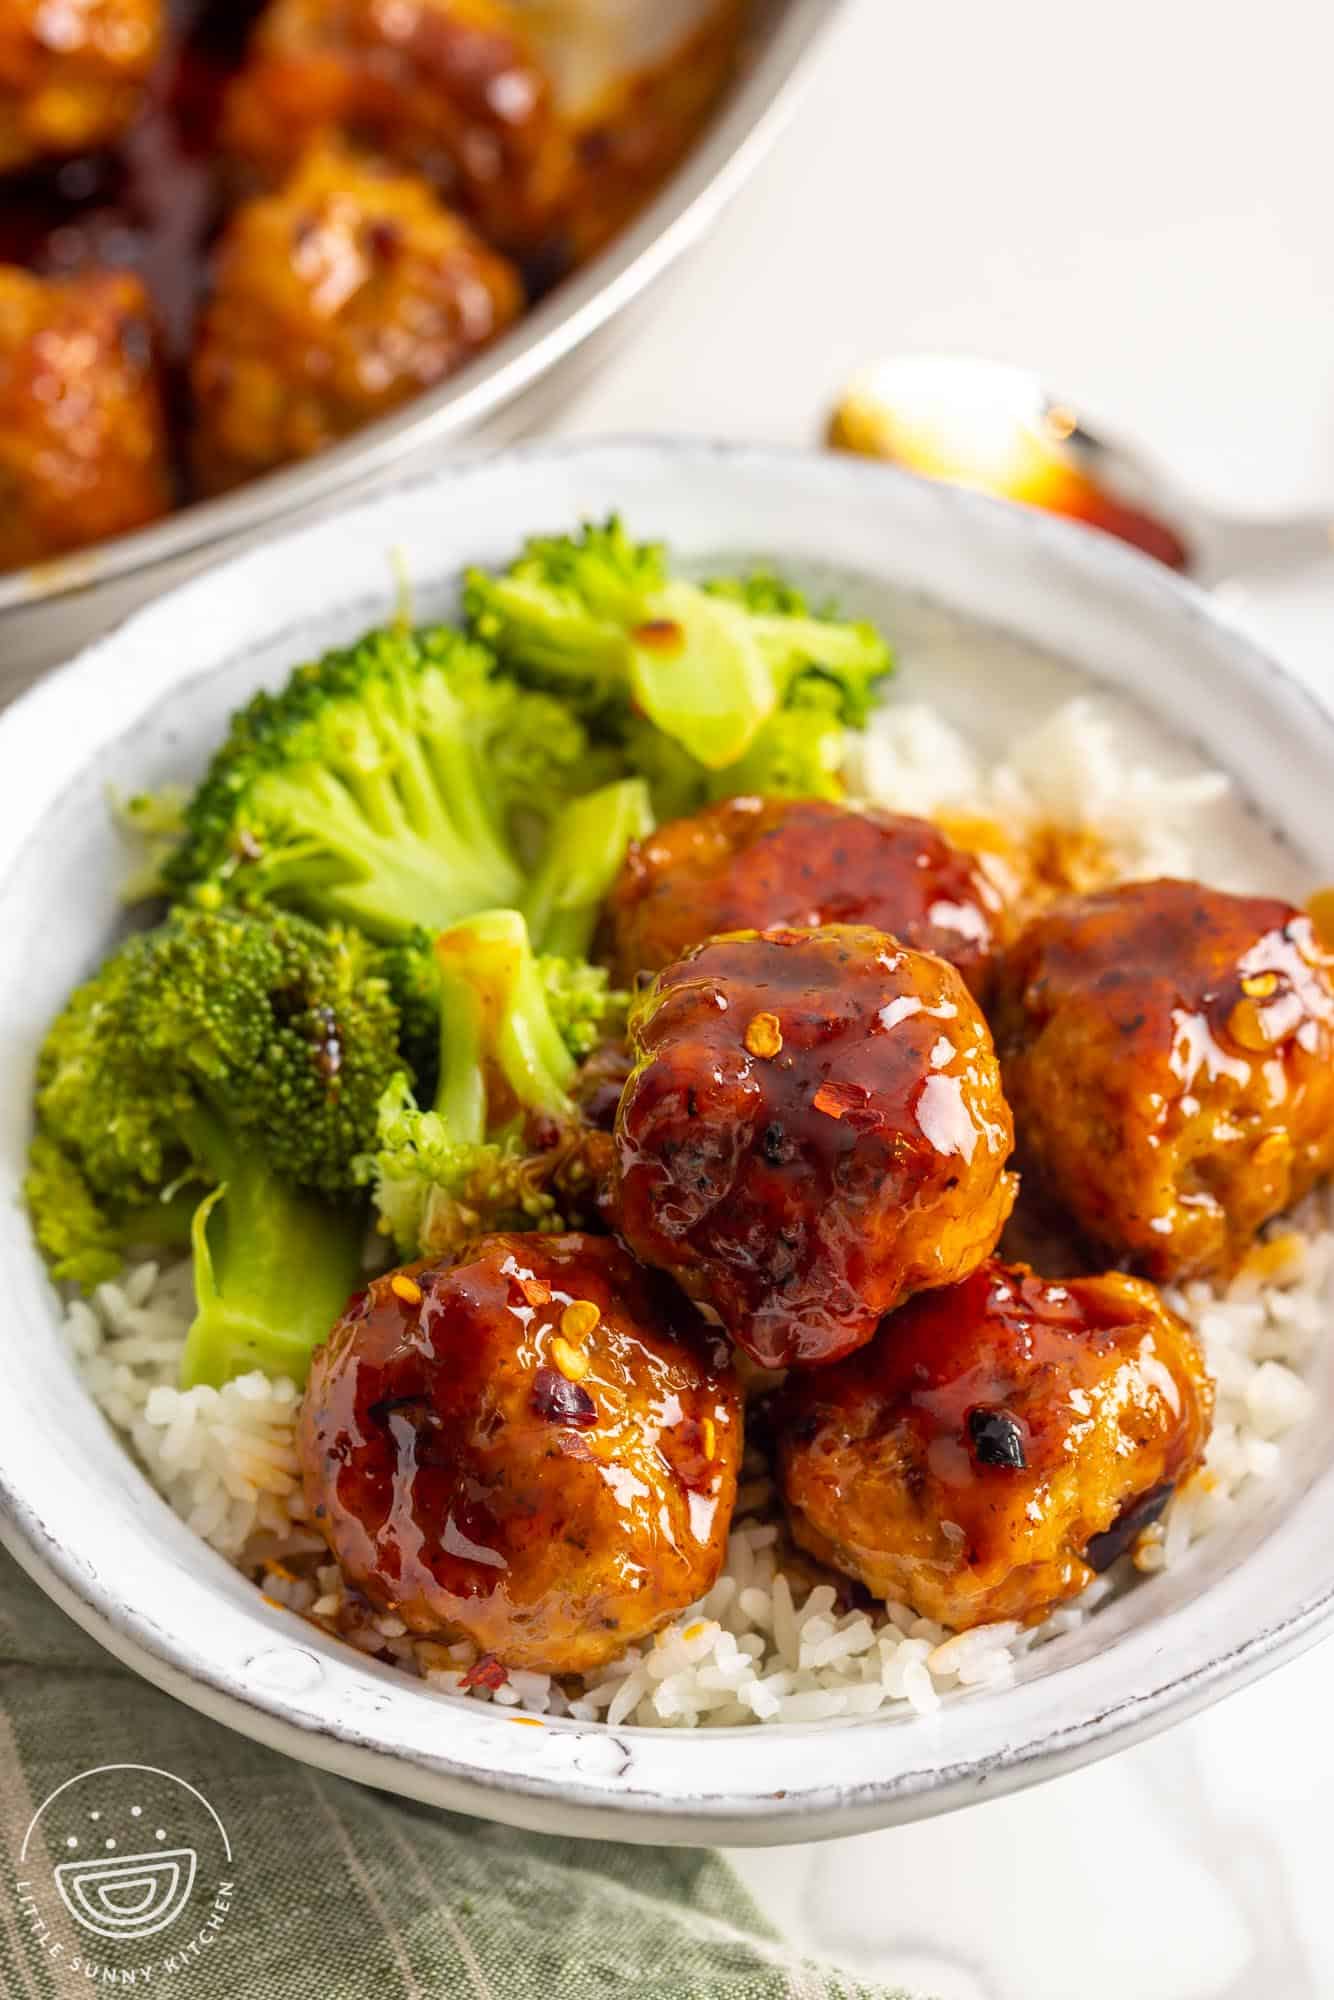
(765, 1644)
(1070, 773)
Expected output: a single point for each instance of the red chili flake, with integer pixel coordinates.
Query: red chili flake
(384, 237)
(850, 1101)
(536, 1293)
(659, 635)
(486, 1673)
(557, 1400)
(685, 1449)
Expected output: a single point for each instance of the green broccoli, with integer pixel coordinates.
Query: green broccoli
(244, 1055)
(798, 754)
(562, 904)
(379, 786)
(602, 619)
(82, 1242)
(410, 971)
(512, 1029)
(583, 857)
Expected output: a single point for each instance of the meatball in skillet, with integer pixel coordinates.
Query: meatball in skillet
(996, 1443)
(754, 864)
(813, 1130)
(83, 434)
(336, 299)
(449, 88)
(1169, 1054)
(536, 1450)
(72, 76)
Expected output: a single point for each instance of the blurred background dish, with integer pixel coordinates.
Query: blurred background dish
(232, 238)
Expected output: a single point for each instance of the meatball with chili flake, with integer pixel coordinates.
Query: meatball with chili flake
(997, 1443)
(1169, 1053)
(334, 300)
(753, 864)
(452, 89)
(536, 1450)
(813, 1131)
(72, 74)
(83, 431)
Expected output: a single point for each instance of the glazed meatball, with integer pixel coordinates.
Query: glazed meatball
(536, 1450)
(997, 1443)
(72, 75)
(1169, 1054)
(83, 440)
(753, 864)
(450, 88)
(813, 1130)
(334, 301)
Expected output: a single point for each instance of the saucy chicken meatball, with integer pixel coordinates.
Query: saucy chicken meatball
(83, 441)
(536, 1450)
(1169, 1054)
(753, 864)
(450, 88)
(813, 1130)
(71, 75)
(997, 1443)
(335, 300)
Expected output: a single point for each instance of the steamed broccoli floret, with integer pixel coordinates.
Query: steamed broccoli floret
(601, 618)
(585, 1007)
(562, 906)
(79, 1240)
(242, 1054)
(377, 786)
(582, 859)
(838, 663)
(764, 590)
(412, 975)
(797, 755)
(511, 1029)
(561, 611)
(83, 1241)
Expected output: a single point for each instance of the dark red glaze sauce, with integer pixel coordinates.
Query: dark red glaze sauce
(966, 1459)
(465, 1481)
(806, 1192)
(755, 864)
(1003, 1341)
(1169, 1054)
(150, 203)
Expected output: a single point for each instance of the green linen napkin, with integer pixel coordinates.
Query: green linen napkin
(335, 1892)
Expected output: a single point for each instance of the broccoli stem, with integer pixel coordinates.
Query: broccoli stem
(698, 672)
(496, 1028)
(273, 1267)
(339, 862)
(583, 859)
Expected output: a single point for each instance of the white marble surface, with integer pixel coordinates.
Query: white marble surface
(1136, 202)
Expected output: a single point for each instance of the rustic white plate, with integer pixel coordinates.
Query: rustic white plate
(146, 704)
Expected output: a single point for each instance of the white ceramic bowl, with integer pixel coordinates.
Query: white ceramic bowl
(146, 704)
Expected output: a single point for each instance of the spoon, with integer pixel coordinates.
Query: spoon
(983, 424)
